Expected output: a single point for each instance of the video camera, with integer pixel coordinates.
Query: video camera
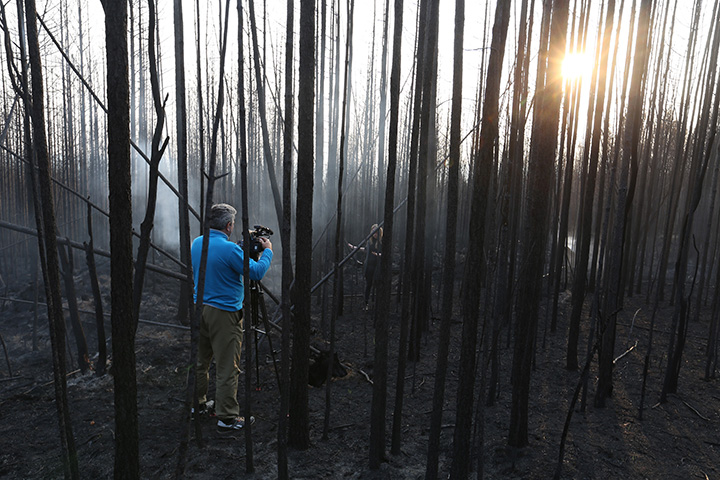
(255, 247)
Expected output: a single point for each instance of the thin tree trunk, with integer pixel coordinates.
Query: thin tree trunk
(680, 154)
(635, 247)
(127, 458)
(698, 170)
(287, 274)
(184, 307)
(571, 106)
(262, 112)
(604, 157)
(631, 140)
(83, 160)
(299, 431)
(635, 207)
(706, 262)
(319, 214)
(383, 104)
(156, 154)
(711, 351)
(584, 233)
(699, 137)
(250, 296)
(337, 285)
(652, 145)
(66, 262)
(448, 281)
(407, 264)
(540, 168)
(384, 289)
(201, 116)
(334, 106)
(516, 152)
(408, 283)
(421, 303)
(212, 161)
(100, 365)
(49, 226)
(483, 159)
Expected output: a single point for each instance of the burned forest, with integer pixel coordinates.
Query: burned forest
(495, 235)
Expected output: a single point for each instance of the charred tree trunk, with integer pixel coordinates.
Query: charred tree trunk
(571, 106)
(384, 289)
(67, 262)
(408, 268)
(513, 199)
(250, 298)
(49, 226)
(287, 274)
(631, 141)
(299, 431)
(100, 365)
(448, 282)
(319, 117)
(698, 170)
(600, 219)
(155, 156)
(337, 268)
(262, 112)
(383, 106)
(208, 202)
(483, 159)
(711, 352)
(706, 263)
(186, 288)
(584, 233)
(405, 284)
(421, 305)
(185, 306)
(640, 226)
(680, 153)
(657, 129)
(127, 458)
(534, 239)
(201, 116)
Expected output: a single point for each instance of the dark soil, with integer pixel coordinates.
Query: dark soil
(678, 439)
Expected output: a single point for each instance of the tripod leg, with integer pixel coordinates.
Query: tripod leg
(254, 308)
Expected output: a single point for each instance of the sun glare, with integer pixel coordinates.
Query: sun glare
(576, 65)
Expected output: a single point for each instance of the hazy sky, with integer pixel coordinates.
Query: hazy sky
(363, 28)
(275, 19)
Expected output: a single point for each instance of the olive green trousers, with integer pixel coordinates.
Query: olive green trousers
(221, 335)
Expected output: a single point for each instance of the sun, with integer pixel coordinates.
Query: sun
(576, 65)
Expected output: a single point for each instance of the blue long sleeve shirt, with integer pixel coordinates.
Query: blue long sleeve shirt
(224, 273)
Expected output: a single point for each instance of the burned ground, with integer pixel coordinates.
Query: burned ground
(678, 439)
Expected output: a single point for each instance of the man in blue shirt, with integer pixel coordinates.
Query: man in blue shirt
(221, 327)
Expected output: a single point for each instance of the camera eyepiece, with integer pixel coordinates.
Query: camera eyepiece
(261, 231)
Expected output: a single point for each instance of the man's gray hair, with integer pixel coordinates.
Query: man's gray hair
(220, 215)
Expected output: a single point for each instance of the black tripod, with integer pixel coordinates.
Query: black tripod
(258, 311)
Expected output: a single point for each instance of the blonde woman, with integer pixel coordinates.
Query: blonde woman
(372, 260)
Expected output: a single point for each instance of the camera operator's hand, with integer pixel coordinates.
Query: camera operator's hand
(265, 243)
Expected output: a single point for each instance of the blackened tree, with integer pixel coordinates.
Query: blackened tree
(299, 432)
(127, 460)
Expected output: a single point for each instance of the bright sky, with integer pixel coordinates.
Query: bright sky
(363, 28)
